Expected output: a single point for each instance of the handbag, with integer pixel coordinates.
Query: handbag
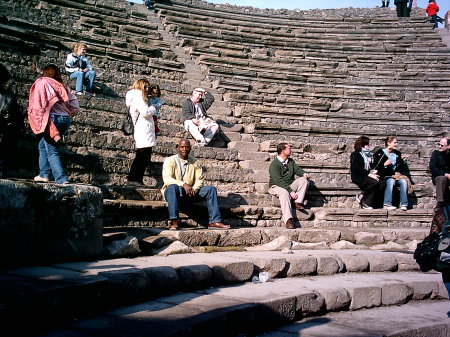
(128, 124)
(434, 251)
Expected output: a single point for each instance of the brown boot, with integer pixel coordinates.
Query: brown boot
(174, 224)
(290, 224)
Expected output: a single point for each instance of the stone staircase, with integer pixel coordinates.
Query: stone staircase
(321, 96)
(194, 294)
(314, 79)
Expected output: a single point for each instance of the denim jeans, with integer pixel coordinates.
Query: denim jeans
(390, 182)
(82, 77)
(174, 194)
(49, 160)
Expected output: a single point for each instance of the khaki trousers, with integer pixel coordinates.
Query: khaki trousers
(299, 186)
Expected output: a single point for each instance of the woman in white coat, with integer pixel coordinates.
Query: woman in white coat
(144, 129)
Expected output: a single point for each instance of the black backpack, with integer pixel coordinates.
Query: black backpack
(434, 251)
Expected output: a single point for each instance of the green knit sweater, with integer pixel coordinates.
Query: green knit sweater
(284, 176)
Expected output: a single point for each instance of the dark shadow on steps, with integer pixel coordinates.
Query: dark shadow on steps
(314, 197)
(209, 314)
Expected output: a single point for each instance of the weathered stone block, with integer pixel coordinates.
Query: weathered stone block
(300, 265)
(383, 262)
(395, 293)
(310, 303)
(364, 297)
(336, 299)
(45, 223)
(355, 263)
(129, 284)
(369, 239)
(193, 276)
(327, 265)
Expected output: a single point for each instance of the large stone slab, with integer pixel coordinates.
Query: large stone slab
(45, 223)
(411, 320)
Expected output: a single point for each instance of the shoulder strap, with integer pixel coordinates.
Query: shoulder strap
(379, 160)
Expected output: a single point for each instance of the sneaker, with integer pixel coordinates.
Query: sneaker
(200, 144)
(404, 207)
(359, 198)
(365, 206)
(40, 179)
(389, 207)
(79, 93)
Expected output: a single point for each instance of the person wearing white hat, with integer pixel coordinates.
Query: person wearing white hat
(199, 124)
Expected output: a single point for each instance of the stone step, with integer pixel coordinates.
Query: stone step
(411, 319)
(249, 147)
(244, 308)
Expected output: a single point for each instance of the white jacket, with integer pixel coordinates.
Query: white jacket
(142, 114)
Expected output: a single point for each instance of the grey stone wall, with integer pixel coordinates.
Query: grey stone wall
(49, 223)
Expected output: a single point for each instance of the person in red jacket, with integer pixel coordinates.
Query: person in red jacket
(432, 10)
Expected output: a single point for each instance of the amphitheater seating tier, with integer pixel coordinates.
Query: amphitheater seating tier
(316, 80)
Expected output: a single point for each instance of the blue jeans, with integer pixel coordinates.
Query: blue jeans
(174, 194)
(82, 77)
(49, 160)
(390, 182)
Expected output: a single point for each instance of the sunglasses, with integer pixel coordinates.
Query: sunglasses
(146, 87)
(440, 145)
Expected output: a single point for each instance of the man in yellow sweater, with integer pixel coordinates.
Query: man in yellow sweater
(183, 181)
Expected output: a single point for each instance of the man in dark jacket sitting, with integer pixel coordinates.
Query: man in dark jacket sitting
(440, 170)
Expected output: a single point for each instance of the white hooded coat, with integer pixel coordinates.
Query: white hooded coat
(142, 115)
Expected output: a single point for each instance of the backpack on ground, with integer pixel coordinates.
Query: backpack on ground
(434, 251)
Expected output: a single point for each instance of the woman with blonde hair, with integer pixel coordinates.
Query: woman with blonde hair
(389, 163)
(51, 106)
(79, 67)
(141, 113)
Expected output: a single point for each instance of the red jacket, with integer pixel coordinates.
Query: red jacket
(432, 9)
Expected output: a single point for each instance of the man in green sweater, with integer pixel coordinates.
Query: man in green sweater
(282, 183)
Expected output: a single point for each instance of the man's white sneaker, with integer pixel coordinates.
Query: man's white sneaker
(40, 179)
(404, 208)
(389, 207)
(365, 206)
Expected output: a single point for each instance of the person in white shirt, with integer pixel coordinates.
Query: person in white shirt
(144, 129)
(201, 126)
